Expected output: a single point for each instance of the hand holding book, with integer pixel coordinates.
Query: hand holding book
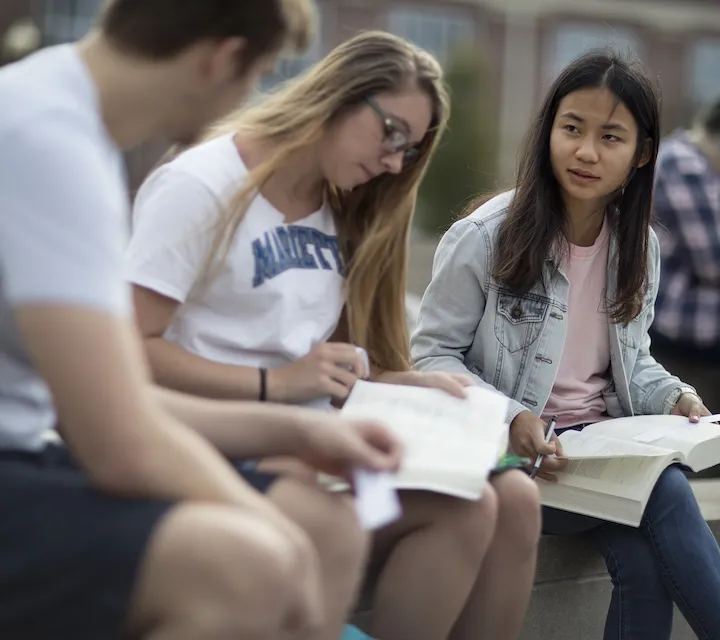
(691, 406)
(613, 465)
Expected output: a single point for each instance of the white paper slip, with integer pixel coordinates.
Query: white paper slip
(376, 500)
(714, 418)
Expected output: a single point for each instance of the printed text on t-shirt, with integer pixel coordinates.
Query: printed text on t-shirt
(289, 247)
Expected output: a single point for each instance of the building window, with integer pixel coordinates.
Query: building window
(704, 72)
(68, 20)
(567, 41)
(289, 66)
(440, 32)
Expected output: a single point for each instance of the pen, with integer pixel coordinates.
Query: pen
(548, 437)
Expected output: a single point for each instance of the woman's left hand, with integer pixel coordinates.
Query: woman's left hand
(452, 383)
(691, 406)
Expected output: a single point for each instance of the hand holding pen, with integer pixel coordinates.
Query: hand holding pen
(529, 439)
(548, 437)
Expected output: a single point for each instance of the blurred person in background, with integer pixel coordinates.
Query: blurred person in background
(686, 332)
(139, 527)
(21, 39)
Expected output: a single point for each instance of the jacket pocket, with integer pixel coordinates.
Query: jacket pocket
(519, 320)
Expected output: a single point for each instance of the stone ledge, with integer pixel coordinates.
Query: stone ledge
(565, 558)
(572, 589)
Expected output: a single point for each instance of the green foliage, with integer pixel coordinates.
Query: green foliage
(465, 164)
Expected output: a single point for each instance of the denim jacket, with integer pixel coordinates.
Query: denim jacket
(468, 323)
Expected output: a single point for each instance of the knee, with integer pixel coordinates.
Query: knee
(334, 529)
(275, 562)
(673, 494)
(519, 512)
(472, 523)
(237, 575)
(672, 485)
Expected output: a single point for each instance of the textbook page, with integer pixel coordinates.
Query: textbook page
(451, 444)
(699, 443)
(589, 444)
(615, 489)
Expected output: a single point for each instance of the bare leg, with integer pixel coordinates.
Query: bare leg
(431, 559)
(215, 572)
(496, 608)
(341, 545)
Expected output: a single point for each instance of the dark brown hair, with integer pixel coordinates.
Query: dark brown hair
(533, 229)
(161, 29)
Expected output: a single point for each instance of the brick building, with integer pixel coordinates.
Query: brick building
(524, 41)
(527, 41)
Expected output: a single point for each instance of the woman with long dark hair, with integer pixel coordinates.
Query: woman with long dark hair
(546, 293)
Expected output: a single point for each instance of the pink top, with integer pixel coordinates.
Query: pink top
(584, 369)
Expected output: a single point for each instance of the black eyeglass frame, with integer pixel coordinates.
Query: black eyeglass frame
(395, 140)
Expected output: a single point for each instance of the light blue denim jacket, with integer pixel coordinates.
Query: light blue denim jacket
(469, 323)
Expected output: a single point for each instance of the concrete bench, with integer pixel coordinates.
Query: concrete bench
(572, 588)
(572, 593)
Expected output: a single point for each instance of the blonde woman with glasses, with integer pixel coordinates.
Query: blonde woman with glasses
(262, 256)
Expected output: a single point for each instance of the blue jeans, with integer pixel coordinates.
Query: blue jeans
(672, 557)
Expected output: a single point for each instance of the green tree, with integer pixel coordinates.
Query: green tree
(466, 161)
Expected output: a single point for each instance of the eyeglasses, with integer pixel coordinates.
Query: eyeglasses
(395, 140)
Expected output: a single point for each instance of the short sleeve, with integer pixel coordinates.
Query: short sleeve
(63, 216)
(174, 222)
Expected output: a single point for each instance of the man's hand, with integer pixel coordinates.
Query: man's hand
(527, 439)
(336, 446)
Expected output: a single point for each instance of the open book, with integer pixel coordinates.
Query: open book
(615, 464)
(451, 444)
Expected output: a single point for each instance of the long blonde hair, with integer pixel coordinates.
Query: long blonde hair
(374, 219)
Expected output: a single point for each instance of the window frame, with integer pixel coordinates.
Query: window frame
(630, 36)
(695, 97)
(448, 17)
(66, 21)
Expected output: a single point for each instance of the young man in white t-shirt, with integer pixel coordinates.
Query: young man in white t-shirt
(139, 528)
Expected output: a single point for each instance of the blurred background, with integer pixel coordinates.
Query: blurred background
(500, 56)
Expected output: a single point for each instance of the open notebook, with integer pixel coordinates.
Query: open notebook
(615, 464)
(451, 444)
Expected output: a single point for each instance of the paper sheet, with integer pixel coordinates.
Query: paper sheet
(450, 444)
(376, 499)
(435, 428)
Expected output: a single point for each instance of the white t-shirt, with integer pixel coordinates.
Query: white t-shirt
(63, 219)
(280, 290)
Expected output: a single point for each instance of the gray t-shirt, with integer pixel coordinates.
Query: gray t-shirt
(63, 220)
